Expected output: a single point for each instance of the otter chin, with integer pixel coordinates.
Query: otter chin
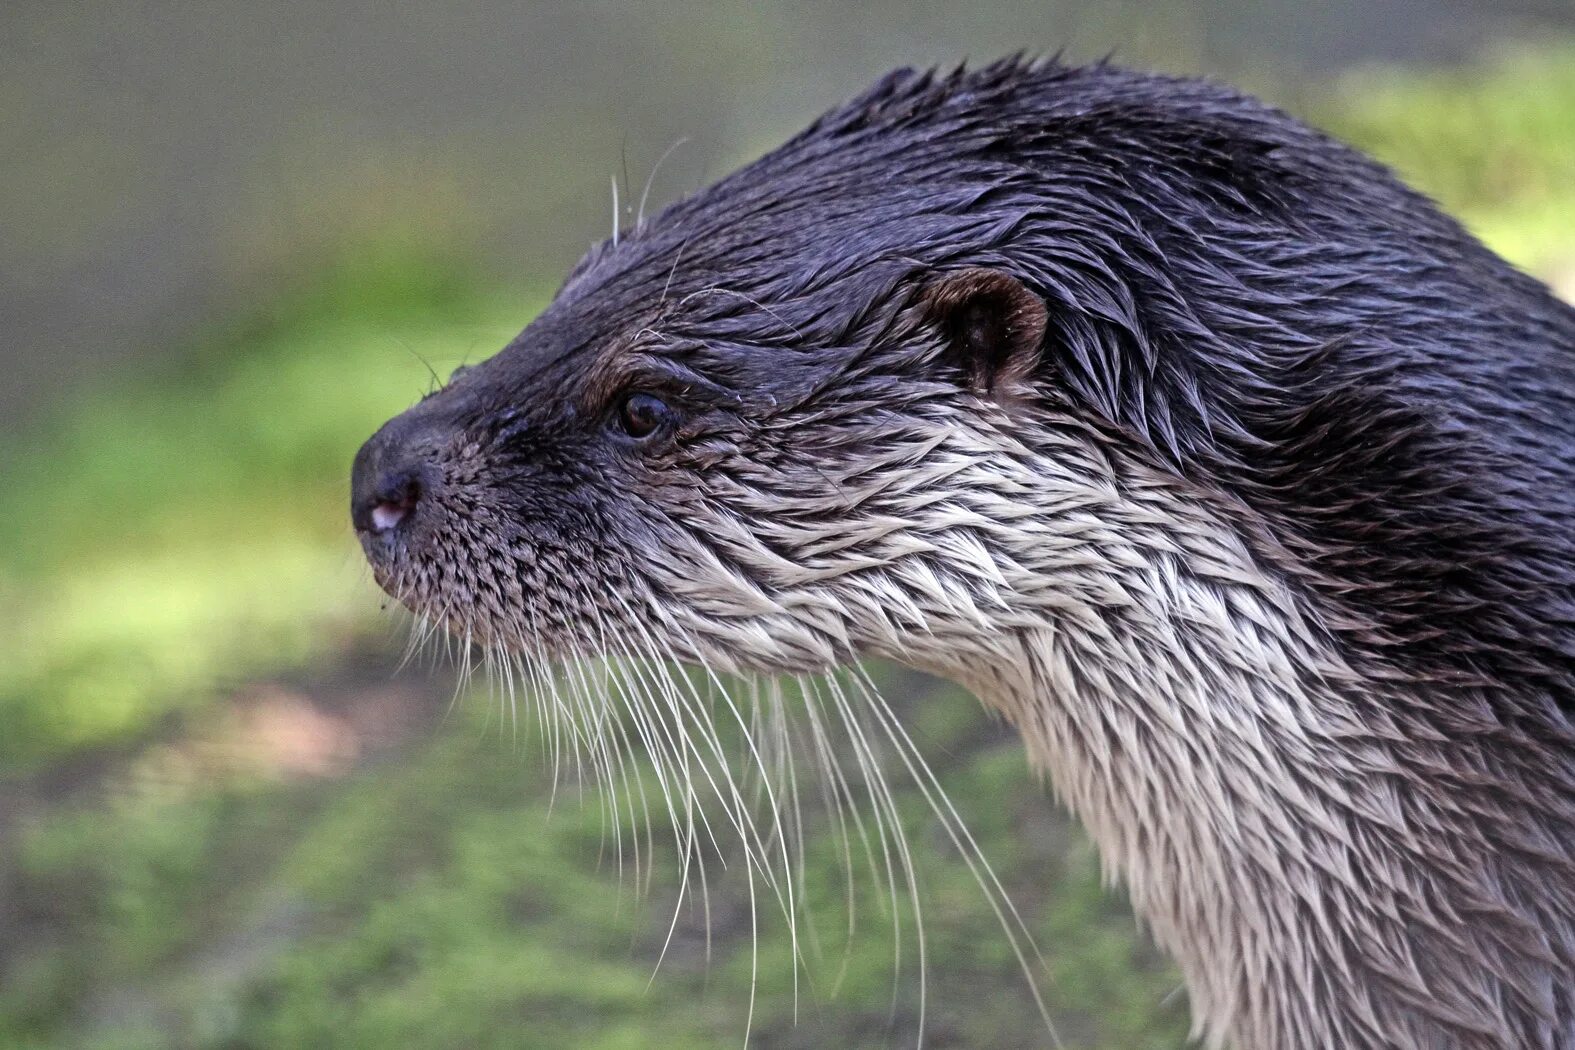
(1231, 471)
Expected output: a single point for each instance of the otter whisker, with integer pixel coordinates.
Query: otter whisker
(882, 795)
(636, 693)
(842, 806)
(580, 697)
(560, 722)
(559, 713)
(624, 750)
(688, 700)
(678, 742)
(684, 830)
(751, 300)
(1000, 902)
(676, 704)
(754, 948)
(678, 257)
(420, 630)
(757, 855)
(500, 656)
(592, 738)
(639, 215)
(789, 903)
(611, 643)
(659, 743)
(616, 225)
(535, 687)
(787, 771)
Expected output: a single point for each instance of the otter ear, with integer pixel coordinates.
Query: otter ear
(993, 325)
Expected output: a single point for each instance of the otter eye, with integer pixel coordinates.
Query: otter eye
(642, 415)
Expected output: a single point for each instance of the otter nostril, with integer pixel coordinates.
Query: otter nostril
(395, 499)
(389, 503)
(386, 515)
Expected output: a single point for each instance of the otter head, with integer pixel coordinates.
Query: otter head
(748, 432)
(966, 353)
(678, 459)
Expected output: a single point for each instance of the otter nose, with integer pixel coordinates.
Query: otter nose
(390, 477)
(385, 502)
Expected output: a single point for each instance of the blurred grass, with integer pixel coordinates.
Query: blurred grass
(188, 529)
(168, 540)
(1495, 144)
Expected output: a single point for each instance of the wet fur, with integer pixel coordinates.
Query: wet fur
(1266, 547)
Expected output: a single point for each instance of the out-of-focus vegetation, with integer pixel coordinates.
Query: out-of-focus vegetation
(1495, 144)
(188, 530)
(223, 822)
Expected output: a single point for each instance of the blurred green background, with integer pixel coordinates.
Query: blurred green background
(232, 238)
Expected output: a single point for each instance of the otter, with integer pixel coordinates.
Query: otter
(1226, 467)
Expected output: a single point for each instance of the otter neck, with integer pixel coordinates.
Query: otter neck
(1314, 854)
(1203, 778)
(1264, 824)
